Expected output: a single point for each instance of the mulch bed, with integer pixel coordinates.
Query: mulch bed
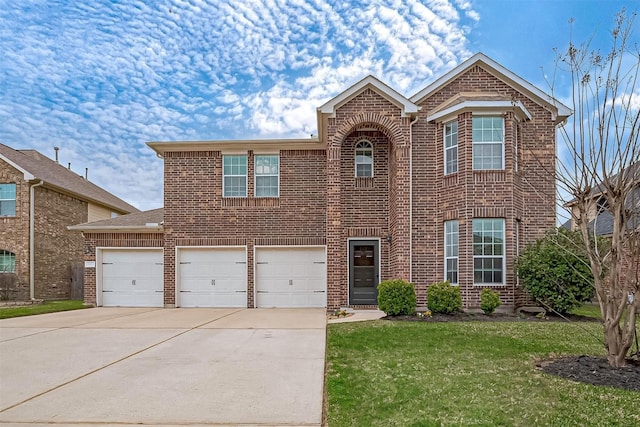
(495, 317)
(587, 369)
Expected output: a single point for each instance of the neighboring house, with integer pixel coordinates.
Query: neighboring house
(448, 184)
(39, 199)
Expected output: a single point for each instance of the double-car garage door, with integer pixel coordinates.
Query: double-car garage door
(215, 277)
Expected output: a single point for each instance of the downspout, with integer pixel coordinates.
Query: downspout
(411, 198)
(32, 214)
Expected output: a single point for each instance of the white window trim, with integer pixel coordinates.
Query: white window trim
(444, 146)
(502, 143)
(246, 176)
(504, 256)
(14, 200)
(255, 175)
(355, 158)
(457, 257)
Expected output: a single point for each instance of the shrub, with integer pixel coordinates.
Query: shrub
(489, 300)
(396, 297)
(443, 297)
(555, 271)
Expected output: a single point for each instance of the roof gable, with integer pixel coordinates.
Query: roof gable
(35, 165)
(406, 106)
(561, 111)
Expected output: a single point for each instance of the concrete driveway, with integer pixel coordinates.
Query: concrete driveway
(163, 367)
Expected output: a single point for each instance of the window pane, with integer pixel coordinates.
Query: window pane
(363, 159)
(7, 208)
(7, 191)
(266, 186)
(7, 261)
(235, 186)
(488, 250)
(451, 160)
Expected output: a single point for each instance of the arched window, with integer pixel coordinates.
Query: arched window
(364, 159)
(7, 261)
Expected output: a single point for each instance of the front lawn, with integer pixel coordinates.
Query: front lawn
(389, 373)
(46, 307)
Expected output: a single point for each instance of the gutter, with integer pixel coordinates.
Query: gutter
(32, 214)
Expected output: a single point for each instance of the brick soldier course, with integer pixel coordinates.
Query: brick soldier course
(403, 206)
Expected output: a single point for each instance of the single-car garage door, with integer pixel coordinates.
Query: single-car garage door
(132, 278)
(212, 277)
(291, 277)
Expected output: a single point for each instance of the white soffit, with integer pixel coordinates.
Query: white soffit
(384, 90)
(480, 106)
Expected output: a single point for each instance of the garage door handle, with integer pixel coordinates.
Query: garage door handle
(213, 282)
(241, 262)
(318, 292)
(319, 262)
(133, 282)
(290, 282)
(262, 263)
(182, 263)
(186, 292)
(242, 291)
(107, 263)
(107, 291)
(263, 292)
(159, 292)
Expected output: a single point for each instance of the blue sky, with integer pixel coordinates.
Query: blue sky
(100, 78)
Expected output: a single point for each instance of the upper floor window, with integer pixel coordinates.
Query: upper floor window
(488, 251)
(7, 200)
(364, 159)
(450, 148)
(234, 175)
(488, 143)
(451, 251)
(7, 261)
(267, 172)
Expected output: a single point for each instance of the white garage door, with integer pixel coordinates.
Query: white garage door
(212, 277)
(291, 277)
(132, 278)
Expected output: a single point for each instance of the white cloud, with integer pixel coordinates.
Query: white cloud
(99, 79)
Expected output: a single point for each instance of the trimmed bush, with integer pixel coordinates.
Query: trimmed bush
(489, 300)
(555, 270)
(396, 297)
(443, 297)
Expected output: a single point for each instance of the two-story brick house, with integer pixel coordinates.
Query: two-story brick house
(447, 184)
(39, 199)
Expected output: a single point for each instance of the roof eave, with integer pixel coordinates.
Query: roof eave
(28, 176)
(161, 147)
(116, 228)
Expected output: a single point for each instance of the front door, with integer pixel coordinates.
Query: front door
(364, 260)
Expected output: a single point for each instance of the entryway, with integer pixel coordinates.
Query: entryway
(364, 271)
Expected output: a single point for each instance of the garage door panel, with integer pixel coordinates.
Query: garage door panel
(132, 278)
(213, 277)
(290, 277)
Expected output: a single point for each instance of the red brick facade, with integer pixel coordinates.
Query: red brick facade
(403, 206)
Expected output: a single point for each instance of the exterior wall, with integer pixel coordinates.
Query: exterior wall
(112, 240)
(196, 214)
(524, 198)
(14, 231)
(360, 212)
(57, 250)
(97, 213)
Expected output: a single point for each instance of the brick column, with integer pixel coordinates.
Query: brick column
(336, 255)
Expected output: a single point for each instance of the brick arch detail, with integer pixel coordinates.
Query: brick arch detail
(383, 124)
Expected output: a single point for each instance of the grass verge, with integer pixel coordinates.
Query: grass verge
(46, 307)
(387, 373)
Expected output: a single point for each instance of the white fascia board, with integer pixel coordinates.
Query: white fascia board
(386, 91)
(116, 228)
(498, 106)
(509, 76)
(28, 176)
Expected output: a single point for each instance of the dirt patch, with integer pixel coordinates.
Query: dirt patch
(594, 370)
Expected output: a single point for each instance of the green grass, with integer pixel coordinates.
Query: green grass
(588, 310)
(387, 373)
(46, 307)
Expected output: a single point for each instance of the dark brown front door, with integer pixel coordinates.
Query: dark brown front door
(363, 271)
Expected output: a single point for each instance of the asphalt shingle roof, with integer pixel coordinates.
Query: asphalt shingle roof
(42, 167)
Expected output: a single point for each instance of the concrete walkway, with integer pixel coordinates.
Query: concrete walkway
(360, 316)
(164, 367)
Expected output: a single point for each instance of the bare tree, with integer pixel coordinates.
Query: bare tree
(599, 175)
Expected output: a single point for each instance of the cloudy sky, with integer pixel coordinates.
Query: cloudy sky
(99, 78)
